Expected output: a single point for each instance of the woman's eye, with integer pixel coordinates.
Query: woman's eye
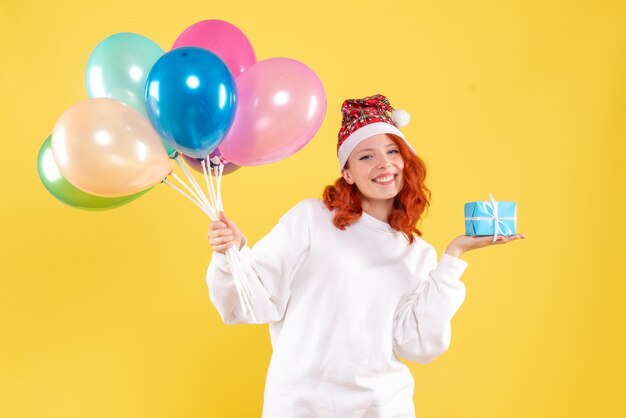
(395, 151)
(364, 157)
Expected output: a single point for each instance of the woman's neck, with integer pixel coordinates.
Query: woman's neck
(379, 209)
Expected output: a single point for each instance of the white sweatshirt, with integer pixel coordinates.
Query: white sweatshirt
(342, 306)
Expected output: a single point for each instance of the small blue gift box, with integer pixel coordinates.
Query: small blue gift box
(490, 218)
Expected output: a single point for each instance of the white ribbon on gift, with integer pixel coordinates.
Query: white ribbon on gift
(492, 210)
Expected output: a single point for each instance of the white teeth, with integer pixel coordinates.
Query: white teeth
(383, 179)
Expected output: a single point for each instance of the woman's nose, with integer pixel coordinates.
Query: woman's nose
(384, 162)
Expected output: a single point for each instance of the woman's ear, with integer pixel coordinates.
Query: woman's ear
(346, 176)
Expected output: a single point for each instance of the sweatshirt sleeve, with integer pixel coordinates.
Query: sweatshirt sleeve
(422, 329)
(272, 262)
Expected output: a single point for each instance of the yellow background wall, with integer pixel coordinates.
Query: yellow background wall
(107, 314)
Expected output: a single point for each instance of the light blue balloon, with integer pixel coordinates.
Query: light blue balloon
(118, 67)
(191, 100)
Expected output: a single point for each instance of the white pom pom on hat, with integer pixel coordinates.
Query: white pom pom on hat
(400, 117)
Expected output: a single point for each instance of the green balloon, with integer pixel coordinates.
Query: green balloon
(118, 67)
(69, 194)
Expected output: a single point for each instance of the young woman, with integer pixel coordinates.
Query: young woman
(345, 284)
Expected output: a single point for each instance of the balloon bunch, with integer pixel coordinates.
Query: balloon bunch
(206, 102)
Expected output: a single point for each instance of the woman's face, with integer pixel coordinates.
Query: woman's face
(375, 166)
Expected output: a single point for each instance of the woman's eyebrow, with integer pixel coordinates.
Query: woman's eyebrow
(372, 149)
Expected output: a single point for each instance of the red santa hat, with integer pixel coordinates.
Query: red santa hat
(367, 117)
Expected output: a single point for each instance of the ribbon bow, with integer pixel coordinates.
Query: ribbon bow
(491, 209)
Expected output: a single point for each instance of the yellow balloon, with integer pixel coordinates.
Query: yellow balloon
(107, 148)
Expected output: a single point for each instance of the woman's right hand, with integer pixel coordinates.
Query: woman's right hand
(223, 234)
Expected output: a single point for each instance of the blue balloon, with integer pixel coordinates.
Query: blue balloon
(191, 100)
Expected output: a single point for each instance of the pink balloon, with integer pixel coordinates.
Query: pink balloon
(281, 105)
(196, 163)
(224, 40)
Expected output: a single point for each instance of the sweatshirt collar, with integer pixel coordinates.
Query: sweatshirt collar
(377, 224)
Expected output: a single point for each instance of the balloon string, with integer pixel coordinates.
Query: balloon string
(219, 184)
(244, 287)
(193, 182)
(214, 184)
(187, 196)
(209, 186)
(236, 275)
(247, 280)
(242, 277)
(242, 284)
(197, 199)
(245, 296)
(191, 192)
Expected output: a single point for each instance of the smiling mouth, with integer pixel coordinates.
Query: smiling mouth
(385, 180)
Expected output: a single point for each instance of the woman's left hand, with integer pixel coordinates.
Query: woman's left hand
(465, 243)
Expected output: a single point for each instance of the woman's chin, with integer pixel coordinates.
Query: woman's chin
(382, 195)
